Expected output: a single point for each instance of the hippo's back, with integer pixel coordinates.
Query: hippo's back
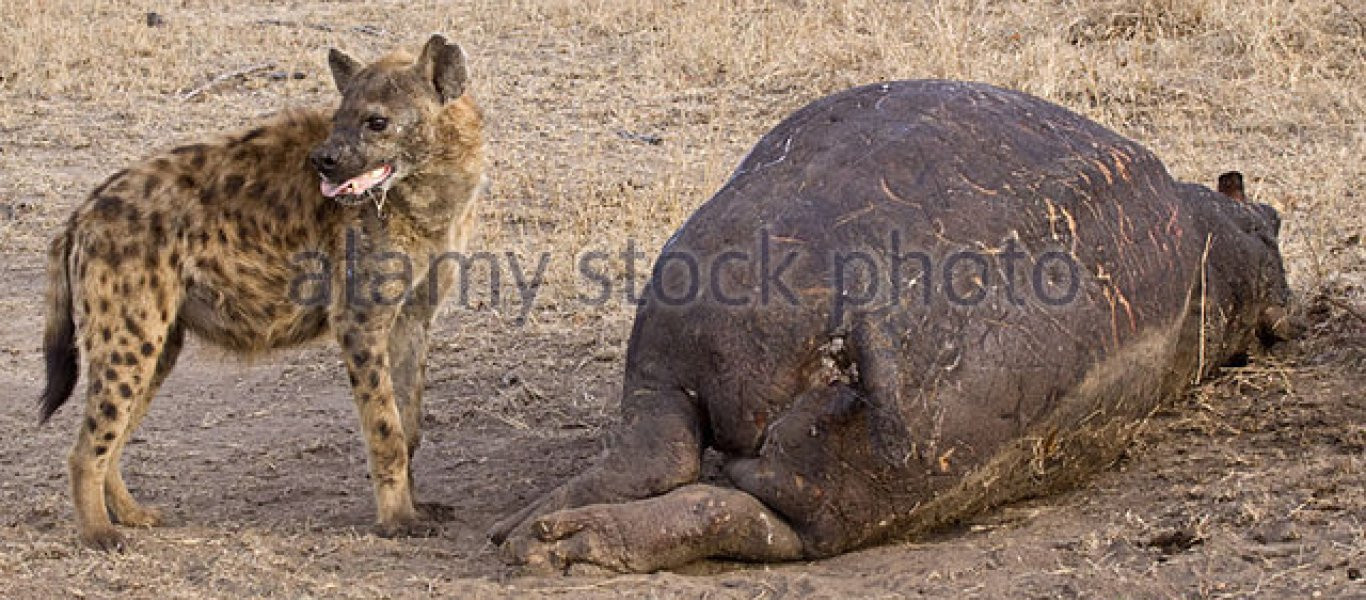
(987, 249)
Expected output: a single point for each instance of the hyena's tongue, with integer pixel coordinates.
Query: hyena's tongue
(356, 185)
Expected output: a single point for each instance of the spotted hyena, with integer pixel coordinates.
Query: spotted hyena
(207, 237)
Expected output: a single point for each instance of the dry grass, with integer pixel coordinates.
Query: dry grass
(1271, 87)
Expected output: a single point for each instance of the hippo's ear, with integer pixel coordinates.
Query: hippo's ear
(343, 68)
(443, 64)
(1231, 185)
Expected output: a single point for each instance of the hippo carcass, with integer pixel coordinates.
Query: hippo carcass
(911, 301)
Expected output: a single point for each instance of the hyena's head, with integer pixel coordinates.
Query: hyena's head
(387, 124)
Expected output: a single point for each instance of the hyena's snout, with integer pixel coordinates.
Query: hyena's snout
(326, 159)
(344, 171)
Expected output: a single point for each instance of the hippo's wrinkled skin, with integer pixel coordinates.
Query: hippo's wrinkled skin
(855, 396)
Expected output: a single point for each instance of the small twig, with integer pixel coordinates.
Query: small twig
(365, 29)
(1204, 283)
(647, 138)
(283, 23)
(192, 94)
(1347, 308)
(1351, 15)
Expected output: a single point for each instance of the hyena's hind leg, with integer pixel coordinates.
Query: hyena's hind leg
(125, 509)
(125, 328)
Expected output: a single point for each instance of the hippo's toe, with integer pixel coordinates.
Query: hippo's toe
(570, 540)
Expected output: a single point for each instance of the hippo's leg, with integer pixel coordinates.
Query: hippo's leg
(659, 449)
(690, 523)
(820, 485)
(836, 468)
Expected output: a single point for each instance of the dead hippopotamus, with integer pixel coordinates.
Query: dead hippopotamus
(912, 301)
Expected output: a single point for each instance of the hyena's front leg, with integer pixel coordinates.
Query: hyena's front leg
(374, 336)
(364, 334)
(408, 343)
(377, 280)
(408, 350)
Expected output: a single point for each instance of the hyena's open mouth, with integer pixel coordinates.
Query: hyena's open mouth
(358, 185)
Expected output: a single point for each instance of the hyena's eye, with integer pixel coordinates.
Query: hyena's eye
(376, 123)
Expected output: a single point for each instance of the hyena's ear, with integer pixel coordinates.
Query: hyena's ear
(443, 64)
(343, 68)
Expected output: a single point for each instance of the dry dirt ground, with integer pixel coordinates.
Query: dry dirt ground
(610, 121)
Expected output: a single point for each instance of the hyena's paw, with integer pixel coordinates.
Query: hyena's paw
(138, 516)
(104, 539)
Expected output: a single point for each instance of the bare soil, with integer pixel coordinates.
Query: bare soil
(610, 123)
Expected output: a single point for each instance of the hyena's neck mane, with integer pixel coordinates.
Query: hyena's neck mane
(445, 185)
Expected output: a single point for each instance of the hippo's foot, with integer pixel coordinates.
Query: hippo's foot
(659, 451)
(578, 539)
(604, 484)
(688, 524)
(516, 524)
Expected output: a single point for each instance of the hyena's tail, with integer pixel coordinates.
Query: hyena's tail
(59, 338)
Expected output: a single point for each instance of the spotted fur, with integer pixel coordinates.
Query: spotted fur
(207, 238)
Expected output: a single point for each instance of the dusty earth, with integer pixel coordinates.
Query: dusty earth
(610, 122)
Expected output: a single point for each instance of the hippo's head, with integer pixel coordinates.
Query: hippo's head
(1245, 252)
